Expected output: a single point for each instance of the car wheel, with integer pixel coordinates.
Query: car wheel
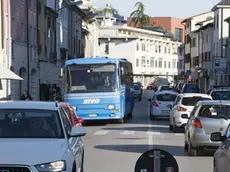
(192, 151)
(130, 115)
(82, 163)
(174, 128)
(170, 127)
(151, 117)
(185, 146)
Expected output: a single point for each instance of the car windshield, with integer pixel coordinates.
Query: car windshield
(191, 101)
(221, 95)
(91, 78)
(215, 111)
(30, 123)
(166, 97)
(191, 88)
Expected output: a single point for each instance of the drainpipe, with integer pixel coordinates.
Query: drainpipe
(221, 34)
(28, 47)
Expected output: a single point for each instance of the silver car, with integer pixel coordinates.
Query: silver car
(207, 117)
(221, 161)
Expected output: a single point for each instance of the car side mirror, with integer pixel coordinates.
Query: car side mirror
(216, 137)
(77, 132)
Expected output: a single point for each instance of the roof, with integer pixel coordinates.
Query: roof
(195, 95)
(207, 19)
(189, 18)
(221, 4)
(118, 37)
(205, 27)
(28, 105)
(214, 102)
(94, 60)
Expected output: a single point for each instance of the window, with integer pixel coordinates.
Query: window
(191, 101)
(178, 34)
(160, 63)
(126, 75)
(165, 64)
(217, 21)
(221, 95)
(169, 51)
(22, 32)
(169, 64)
(181, 64)
(107, 48)
(137, 62)
(143, 62)
(66, 121)
(165, 50)
(193, 42)
(155, 63)
(151, 62)
(30, 123)
(156, 49)
(174, 64)
(143, 47)
(206, 39)
(30, 3)
(159, 49)
(166, 97)
(137, 46)
(215, 111)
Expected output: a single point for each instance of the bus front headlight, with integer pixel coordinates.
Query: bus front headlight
(111, 107)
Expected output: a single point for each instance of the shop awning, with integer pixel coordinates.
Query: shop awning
(6, 73)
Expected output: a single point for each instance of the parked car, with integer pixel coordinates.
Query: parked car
(212, 87)
(220, 94)
(137, 92)
(190, 88)
(207, 117)
(182, 108)
(72, 114)
(221, 157)
(140, 85)
(161, 103)
(43, 130)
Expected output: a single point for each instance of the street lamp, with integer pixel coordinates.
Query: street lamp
(76, 3)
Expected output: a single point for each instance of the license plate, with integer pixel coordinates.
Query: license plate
(92, 115)
(165, 111)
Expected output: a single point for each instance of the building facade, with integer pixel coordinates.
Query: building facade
(191, 54)
(24, 47)
(151, 54)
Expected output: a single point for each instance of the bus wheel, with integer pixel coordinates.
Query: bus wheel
(121, 121)
(130, 115)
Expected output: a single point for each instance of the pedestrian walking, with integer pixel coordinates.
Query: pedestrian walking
(26, 96)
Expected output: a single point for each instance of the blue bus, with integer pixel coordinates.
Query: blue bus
(100, 88)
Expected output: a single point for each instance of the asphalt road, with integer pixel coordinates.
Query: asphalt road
(116, 147)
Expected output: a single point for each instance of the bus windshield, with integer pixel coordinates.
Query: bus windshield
(87, 78)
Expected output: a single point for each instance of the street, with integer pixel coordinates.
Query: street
(116, 147)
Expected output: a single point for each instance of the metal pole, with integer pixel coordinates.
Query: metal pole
(28, 47)
(157, 161)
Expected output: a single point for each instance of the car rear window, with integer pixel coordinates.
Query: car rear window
(191, 101)
(215, 111)
(166, 88)
(166, 97)
(191, 88)
(221, 95)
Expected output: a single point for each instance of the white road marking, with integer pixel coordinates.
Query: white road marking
(153, 133)
(101, 132)
(178, 134)
(128, 132)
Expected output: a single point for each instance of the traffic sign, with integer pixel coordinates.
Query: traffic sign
(156, 160)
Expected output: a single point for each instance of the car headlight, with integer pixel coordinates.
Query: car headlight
(52, 166)
(111, 107)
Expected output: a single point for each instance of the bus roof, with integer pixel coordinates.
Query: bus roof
(95, 60)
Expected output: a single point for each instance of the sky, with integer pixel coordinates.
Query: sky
(161, 8)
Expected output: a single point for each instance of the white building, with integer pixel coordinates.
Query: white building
(151, 53)
(220, 44)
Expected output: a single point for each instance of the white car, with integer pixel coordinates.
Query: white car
(182, 108)
(161, 103)
(39, 137)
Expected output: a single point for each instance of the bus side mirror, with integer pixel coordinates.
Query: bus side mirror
(61, 72)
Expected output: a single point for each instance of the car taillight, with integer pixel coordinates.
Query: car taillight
(155, 104)
(80, 120)
(179, 108)
(196, 123)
